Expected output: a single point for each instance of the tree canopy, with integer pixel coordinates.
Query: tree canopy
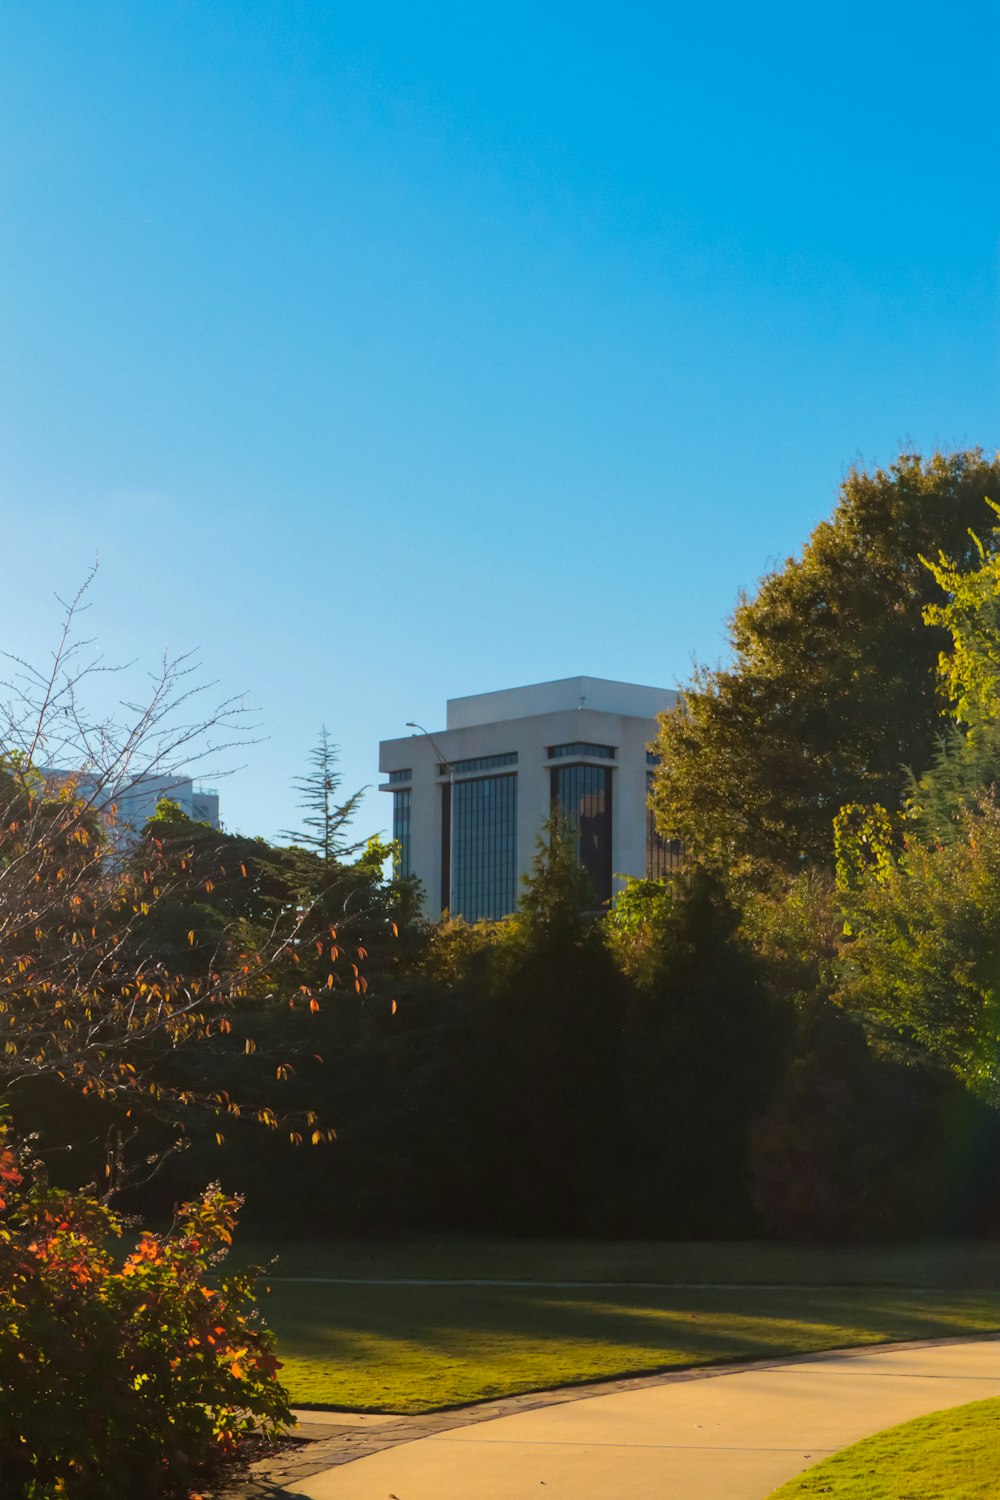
(921, 893)
(832, 691)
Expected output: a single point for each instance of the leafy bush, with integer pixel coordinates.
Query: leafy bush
(122, 1372)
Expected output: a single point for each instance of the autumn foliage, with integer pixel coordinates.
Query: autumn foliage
(125, 1372)
(81, 997)
(134, 965)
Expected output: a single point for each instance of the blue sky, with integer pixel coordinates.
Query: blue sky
(387, 353)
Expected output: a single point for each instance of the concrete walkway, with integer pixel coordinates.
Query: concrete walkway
(694, 1436)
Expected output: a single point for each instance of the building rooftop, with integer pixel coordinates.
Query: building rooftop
(598, 693)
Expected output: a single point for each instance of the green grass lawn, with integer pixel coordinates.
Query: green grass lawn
(950, 1453)
(416, 1348)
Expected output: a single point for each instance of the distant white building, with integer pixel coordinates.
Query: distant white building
(469, 801)
(135, 800)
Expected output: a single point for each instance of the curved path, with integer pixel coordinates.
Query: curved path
(699, 1435)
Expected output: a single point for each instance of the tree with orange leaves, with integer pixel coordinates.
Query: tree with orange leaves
(122, 1374)
(88, 994)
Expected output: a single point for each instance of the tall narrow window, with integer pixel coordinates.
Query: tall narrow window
(401, 806)
(583, 796)
(484, 847)
(446, 846)
(663, 856)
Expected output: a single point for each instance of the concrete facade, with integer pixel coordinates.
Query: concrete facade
(617, 719)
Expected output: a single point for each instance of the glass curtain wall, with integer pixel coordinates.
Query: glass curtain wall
(583, 795)
(401, 806)
(483, 847)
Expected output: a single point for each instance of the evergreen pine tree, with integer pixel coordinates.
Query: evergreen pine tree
(325, 820)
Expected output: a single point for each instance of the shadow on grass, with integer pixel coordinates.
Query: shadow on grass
(405, 1347)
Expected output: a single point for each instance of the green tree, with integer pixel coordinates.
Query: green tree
(967, 758)
(855, 1144)
(634, 925)
(703, 1046)
(556, 894)
(923, 968)
(311, 1044)
(325, 820)
(548, 1037)
(832, 689)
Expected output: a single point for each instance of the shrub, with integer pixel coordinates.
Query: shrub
(122, 1372)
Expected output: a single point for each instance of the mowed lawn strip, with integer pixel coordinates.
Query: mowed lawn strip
(417, 1348)
(969, 1264)
(950, 1453)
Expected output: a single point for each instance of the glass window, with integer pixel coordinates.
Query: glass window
(663, 856)
(406, 775)
(401, 805)
(484, 847)
(606, 752)
(583, 795)
(446, 846)
(479, 763)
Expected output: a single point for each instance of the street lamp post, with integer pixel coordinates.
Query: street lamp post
(443, 761)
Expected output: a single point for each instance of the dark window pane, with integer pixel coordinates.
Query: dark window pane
(581, 747)
(663, 856)
(583, 795)
(483, 847)
(445, 847)
(479, 763)
(401, 804)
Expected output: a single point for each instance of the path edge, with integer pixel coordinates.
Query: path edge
(320, 1444)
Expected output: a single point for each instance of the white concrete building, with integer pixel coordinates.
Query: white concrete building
(470, 800)
(135, 798)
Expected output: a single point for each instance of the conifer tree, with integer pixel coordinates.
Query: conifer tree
(325, 821)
